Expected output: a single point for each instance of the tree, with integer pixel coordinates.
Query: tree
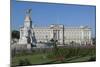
(54, 43)
(58, 53)
(15, 34)
(72, 43)
(94, 41)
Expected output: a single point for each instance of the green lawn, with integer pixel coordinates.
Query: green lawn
(80, 59)
(33, 59)
(70, 55)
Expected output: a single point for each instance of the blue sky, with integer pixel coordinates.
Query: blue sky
(46, 14)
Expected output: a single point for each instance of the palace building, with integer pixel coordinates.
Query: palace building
(64, 35)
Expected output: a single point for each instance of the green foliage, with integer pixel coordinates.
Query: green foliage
(94, 41)
(55, 48)
(72, 52)
(23, 62)
(12, 65)
(64, 54)
(15, 34)
(93, 58)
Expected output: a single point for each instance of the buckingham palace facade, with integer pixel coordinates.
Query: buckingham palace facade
(63, 34)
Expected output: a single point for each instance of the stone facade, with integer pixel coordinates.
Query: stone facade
(64, 35)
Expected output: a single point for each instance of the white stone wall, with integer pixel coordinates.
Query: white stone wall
(42, 34)
(78, 35)
(72, 34)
